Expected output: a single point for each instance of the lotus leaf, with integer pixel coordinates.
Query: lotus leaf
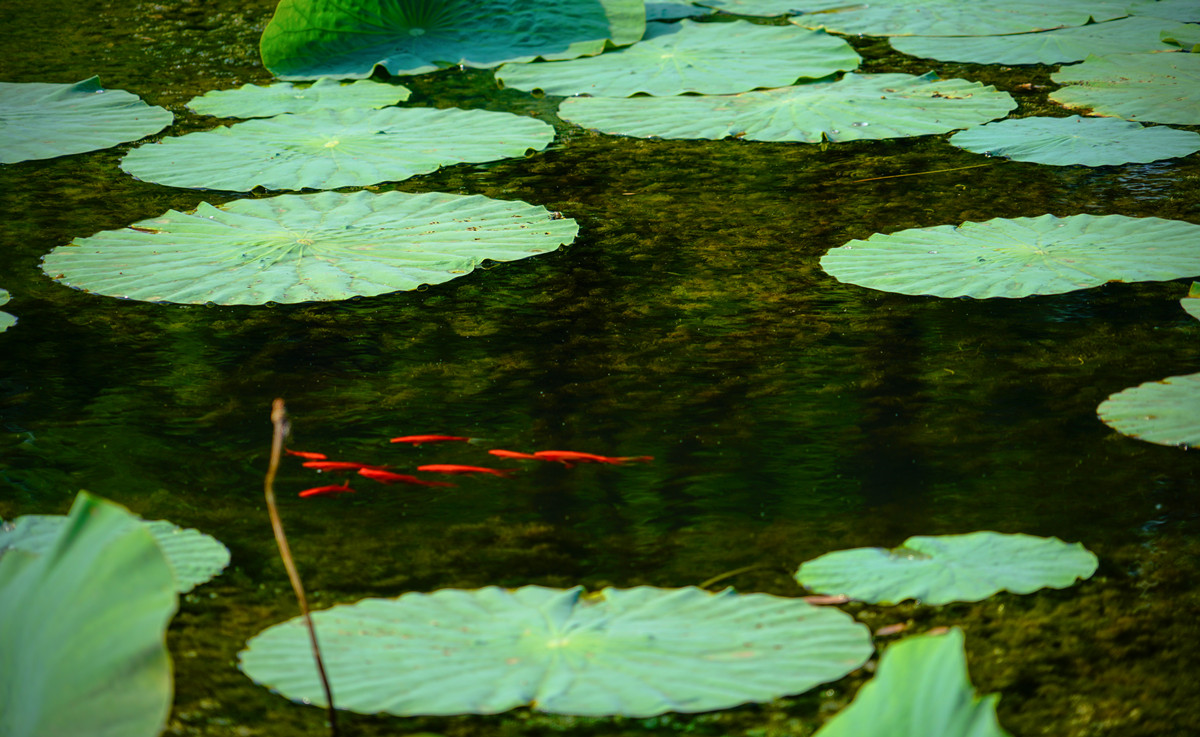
(1020, 256)
(1185, 35)
(1166, 412)
(1047, 47)
(83, 628)
(760, 8)
(193, 556)
(867, 106)
(41, 121)
(256, 101)
(633, 652)
(326, 149)
(1158, 88)
(6, 320)
(921, 689)
(1180, 10)
(1076, 140)
(307, 39)
(300, 248)
(953, 17)
(1191, 303)
(673, 9)
(947, 568)
(710, 58)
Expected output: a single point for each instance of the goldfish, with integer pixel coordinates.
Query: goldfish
(335, 489)
(337, 465)
(572, 456)
(306, 454)
(513, 454)
(452, 468)
(418, 439)
(387, 477)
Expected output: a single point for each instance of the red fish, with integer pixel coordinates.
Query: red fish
(513, 454)
(387, 477)
(337, 465)
(418, 439)
(452, 468)
(335, 489)
(305, 454)
(573, 456)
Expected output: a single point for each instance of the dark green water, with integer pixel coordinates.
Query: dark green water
(789, 415)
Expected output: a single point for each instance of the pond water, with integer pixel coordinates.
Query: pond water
(789, 415)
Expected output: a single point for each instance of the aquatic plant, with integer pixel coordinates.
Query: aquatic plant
(6, 320)
(264, 101)
(1077, 141)
(951, 17)
(1156, 88)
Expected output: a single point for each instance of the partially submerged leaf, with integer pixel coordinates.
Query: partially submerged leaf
(1020, 256)
(6, 320)
(1166, 412)
(1158, 88)
(257, 101)
(947, 568)
(1076, 140)
(953, 17)
(634, 652)
(300, 248)
(41, 121)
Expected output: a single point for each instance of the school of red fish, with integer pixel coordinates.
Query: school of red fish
(381, 474)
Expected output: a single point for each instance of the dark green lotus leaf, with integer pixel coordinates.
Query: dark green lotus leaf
(1185, 35)
(953, 17)
(921, 689)
(1166, 412)
(709, 58)
(633, 652)
(1187, 11)
(307, 39)
(674, 9)
(41, 121)
(1076, 140)
(193, 556)
(1020, 256)
(1158, 88)
(256, 101)
(301, 248)
(1191, 303)
(946, 568)
(326, 149)
(1125, 35)
(83, 630)
(867, 106)
(6, 320)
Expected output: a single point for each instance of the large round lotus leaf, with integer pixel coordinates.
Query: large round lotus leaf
(41, 121)
(1019, 257)
(307, 39)
(1125, 35)
(953, 17)
(255, 101)
(83, 628)
(921, 689)
(300, 248)
(1180, 10)
(327, 149)
(1166, 412)
(1076, 140)
(1159, 88)
(193, 556)
(633, 652)
(867, 106)
(947, 568)
(711, 58)
(6, 320)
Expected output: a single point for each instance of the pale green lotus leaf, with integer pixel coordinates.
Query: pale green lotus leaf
(759, 8)
(307, 39)
(1158, 88)
(633, 652)
(1191, 303)
(300, 248)
(41, 121)
(921, 689)
(674, 9)
(1020, 256)
(6, 320)
(856, 107)
(1185, 35)
(947, 568)
(193, 556)
(709, 58)
(83, 630)
(1076, 140)
(1187, 11)
(1125, 35)
(1166, 412)
(327, 149)
(953, 17)
(257, 101)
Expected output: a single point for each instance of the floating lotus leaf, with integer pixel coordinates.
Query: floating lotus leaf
(1191, 303)
(1187, 11)
(300, 248)
(41, 121)
(193, 556)
(673, 9)
(1159, 88)
(1166, 412)
(760, 8)
(921, 689)
(1019, 257)
(953, 17)
(6, 320)
(867, 106)
(633, 652)
(947, 568)
(327, 149)
(83, 629)
(711, 58)
(256, 101)
(1076, 140)
(1125, 35)
(1185, 35)
(307, 39)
